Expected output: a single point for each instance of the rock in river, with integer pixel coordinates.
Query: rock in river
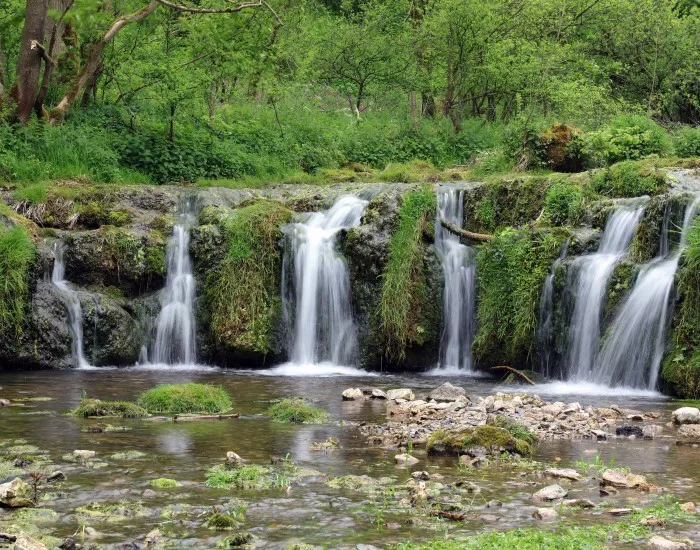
(551, 492)
(15, 494)
(564, 473)
(616, 478)
(688, 434)
(447, 392)
(351, 394)
(545, 514)
(401, 393)
(686, 415)
(660, 543)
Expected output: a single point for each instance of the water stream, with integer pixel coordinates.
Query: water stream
(175, 325)
(459, 301)
(72, 303)
(316, 292)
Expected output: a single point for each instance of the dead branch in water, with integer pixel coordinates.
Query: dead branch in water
(469, 235)
(515, 371)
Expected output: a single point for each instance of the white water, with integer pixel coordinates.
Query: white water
(459, 301)
(175, 326)
(632, 353)
(319, 298)
(589, 278)
(582, 388)
(72, 303)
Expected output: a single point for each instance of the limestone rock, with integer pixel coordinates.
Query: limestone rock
(447, 392)
(578, 503)
(25, 542)
(15, 494)
(400, 393)
(377, 394)
(660, 543)
(232, 459)
(688, 507)
(620, 511)
(652, 431)
(564, 473)
(351, 394)
(688, 434)
(83, 454)
(545, 514)
(619, 479)
(4, 402)
(686, 415)
(421, 476)
(406, 460)
(551, 492)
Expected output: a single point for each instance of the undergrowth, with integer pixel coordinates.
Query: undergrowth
(17, 252)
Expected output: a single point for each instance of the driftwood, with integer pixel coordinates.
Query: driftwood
(515, 371)
(469, 235)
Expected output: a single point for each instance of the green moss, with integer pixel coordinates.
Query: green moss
(114, 512)
(629, 179)
(297, 411)
(563, 204)
(404, 277)
(33, 194)
(510, 271)
(96, 408)
(415, 171)
(17, 253)
(221, 522)
(128, 455)
(246, 477)
(186, 398)
(620, 283)
(244, 292)
(164, 483)
(237, 541)
(494, 439)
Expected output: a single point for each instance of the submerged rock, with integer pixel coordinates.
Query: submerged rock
(477, 441)
(84, 454)
(686, 415)
(447, 392)
(545, 514)
(564, 473)
(551, 492)
(627, 431)
(406, 460)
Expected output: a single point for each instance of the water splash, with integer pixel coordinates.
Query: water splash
(316, 295)
(632, 353)
(588, 279)
(72, 303)
(175, 325)
(459, 301)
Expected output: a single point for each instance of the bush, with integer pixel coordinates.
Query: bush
(89, 408)
(629, 179)
(297, 411)
(626, 138)
(687, 142)
(17, 252)
(186, 398)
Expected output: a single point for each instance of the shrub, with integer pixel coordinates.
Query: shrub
(186, 398)
(297, 411)
(17, 252)
(564, 203)
(629, 179)
(403, 280)
(96, 408)
(687, 142)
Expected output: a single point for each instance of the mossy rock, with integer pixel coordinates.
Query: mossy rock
(189, 398)
(95, 408)
(477, 440)
(164, 483)
(297, 411)
(629, 179)
(561, 148)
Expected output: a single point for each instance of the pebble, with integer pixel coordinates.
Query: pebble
(551, 492)
(84, 454)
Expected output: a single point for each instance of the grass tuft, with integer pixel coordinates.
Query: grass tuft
(186, 398)
(297, 411)
(246, 477)
(165, 483)
(17, 252)
(90, 408)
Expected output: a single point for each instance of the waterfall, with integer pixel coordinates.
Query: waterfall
(588, 281)
(632, 352)
(72, 303)
(175, 325)
(545, 332)
(317, 293)
(459, 269)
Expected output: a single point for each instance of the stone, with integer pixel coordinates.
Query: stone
(621, 480)
(660, 543)
(688, 434)
(608, 491)
(564, 473)
(545, 514)
(423, 475)
(377, 394)
(578, 503)
(620, 511)
(688, 507)
(600, 435)
(56, 476)
(551, 492)
(232, 459)
(686, 415)
(627, 431)
(153, 538)
(25, 542)
(16, 494)
(635, 417)
(352, 394)
(400, 393)
(82, 454)
(652, 431)
(651, 521)
(572, 408)
(447, 392)
(4, 402)
(406, 460)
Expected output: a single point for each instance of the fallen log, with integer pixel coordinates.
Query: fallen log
(191, 417)
(469, 235)
(515, 371)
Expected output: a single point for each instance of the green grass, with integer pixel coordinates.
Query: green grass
(90, 408)
(403, 280)
(244, 292)
(564, 204)
(17, 253)
(629, 179)
(164, 483)
(297, 411)
(186, 398)
(221, 522)
(494, 439)
(246, 477)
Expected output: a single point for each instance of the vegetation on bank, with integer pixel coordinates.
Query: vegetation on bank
(17, 252)
(185, 399)
(244, 292)
(296, 410)
(404, 279)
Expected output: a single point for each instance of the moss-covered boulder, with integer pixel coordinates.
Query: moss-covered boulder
(478, 441)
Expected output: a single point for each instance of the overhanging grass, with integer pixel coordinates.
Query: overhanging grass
(17, 252)
(96, 408)
(186, 398)
(297, 411)
(403, 286)
(244, 292)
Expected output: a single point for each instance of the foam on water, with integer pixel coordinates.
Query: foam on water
(582, 388)
(323, 369)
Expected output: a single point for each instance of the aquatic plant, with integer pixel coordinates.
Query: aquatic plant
(186, 398)
(237, 541)
(97, 408)
(164, 483)
(221, 522)
(245, 477)
(298, 411)
(17, 252)
(493, 439)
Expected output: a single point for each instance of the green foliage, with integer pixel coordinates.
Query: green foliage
(17, 252)
(626, 138)
(33, 194)
(221, 522)
(492, 438)
(629, 179)
(563, 203)
(297, 411)
(245, 477)
(164, 483)
(510, 271)
(403, 281)
(518, 430)
(244, 292)
(186, 398)
(687, 142)
(90, 408)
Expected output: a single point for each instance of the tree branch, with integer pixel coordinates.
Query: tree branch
(452, 228)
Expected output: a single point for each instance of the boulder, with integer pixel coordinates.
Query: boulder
(400, 393)
(25, 542)
(351, 394)
(688, 507)
(551, 492)
(232, 459)
(622, 480)
(406, 460)
(4, 402)
(660, 543)
(564, 473)
(545, 514)
(83, 454)
(578, 503)
(377, 394)
(15, 494)
(447, 392)
(572, 408)
(652, 431)
(688, 434)
(686, 415)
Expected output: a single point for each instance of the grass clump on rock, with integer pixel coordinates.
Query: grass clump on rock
(491, 438)
(186, 398)
(297, 411)
(221, 522)
(245, 477)
(17, 252)
(93, 408)
(164, 483)
(404, 280)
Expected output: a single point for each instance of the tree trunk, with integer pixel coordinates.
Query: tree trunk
(94, 59)
(3, 63)
(428, 102)
(29, 61)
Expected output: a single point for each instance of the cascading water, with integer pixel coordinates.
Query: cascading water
(72, 303)
(588, 279)
(459, 268)
(317, 293)
(175, 325)
(631, 354)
